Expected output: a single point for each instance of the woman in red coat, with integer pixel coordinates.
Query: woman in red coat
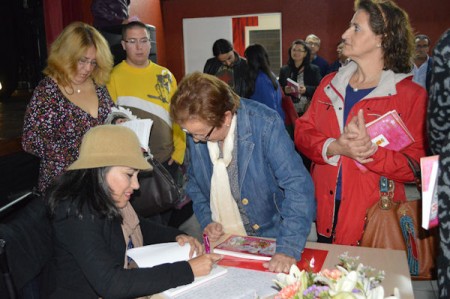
(332, 132)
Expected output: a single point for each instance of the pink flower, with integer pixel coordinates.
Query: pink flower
(289, 291)
(334, 274)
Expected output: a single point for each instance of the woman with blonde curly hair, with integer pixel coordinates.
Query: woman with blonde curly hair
(332, 133)
(70, 100)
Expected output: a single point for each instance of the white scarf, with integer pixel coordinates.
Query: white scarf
(223, 206)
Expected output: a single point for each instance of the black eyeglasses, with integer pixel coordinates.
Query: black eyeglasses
(200, 136)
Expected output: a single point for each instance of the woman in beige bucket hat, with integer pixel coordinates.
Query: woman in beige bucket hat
(94, 225)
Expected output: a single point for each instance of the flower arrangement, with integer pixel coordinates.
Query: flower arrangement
(350, 279)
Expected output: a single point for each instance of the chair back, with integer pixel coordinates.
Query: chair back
(25, 245)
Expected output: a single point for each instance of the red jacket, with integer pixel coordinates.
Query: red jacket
(323, 123)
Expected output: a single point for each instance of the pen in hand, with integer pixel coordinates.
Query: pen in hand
(206, 243)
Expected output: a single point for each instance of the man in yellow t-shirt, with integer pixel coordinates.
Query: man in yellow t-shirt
(146, 89)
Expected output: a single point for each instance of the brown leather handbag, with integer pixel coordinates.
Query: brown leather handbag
(397, 225)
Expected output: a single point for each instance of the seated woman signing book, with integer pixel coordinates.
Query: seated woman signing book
(244, 176)
(94, 225)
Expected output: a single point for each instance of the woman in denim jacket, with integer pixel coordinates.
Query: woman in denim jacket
(244, 176)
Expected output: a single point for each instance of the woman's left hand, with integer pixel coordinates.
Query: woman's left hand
(280, 262)
(196, 247)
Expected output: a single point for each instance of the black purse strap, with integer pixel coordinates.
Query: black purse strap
(415, 167)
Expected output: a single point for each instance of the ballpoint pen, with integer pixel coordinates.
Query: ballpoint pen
(206, 243)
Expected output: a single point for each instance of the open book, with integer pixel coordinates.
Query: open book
(152, 255)
(388, 131)
(429, 175)
(142, 128)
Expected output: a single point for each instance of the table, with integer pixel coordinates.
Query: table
(393, 262)
(249, 284)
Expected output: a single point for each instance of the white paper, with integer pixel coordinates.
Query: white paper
(152, 255)
(217, 271)
(142, 128)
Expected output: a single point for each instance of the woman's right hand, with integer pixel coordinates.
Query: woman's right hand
(203, 264)
(214, 231)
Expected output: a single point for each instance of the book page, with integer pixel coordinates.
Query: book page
(142, 128)
(217, 271)
(156, 254)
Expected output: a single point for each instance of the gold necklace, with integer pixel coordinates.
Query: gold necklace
(78, 91)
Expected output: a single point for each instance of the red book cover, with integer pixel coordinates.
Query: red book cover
(388, 131)
(251, 252)
(312, 260)
(294, 85)
(247, 247)
(429, 175)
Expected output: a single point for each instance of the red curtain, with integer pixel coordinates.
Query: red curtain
(239, 25)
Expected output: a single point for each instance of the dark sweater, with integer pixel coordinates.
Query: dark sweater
(89, 258)
(240, 69)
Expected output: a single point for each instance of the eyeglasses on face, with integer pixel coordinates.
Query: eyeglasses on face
(135, 41)
(83, 61)
(311, 44)
(200, 136)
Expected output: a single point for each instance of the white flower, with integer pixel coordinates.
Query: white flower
(352, 280)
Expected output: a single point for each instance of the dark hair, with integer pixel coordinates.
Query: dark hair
(221, 46)
(392, 23)
(132, 25)
(205, 97)
(85, 189)
(257, 60)
(422, 37)
(306, 60)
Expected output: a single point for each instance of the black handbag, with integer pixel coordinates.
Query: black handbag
(158, 191)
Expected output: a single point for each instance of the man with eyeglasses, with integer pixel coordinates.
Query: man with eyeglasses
(146, 88)
(422, 62)
(313, 42)
(228, 66)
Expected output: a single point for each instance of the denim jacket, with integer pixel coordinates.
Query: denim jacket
(276, 189)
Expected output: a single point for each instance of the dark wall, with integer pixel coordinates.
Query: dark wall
(326, 18)
(23, 50)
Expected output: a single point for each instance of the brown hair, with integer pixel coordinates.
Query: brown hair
(387, 19)
(70, 46)
(205, 97)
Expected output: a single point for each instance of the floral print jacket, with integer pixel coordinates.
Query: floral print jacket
(54, 126)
